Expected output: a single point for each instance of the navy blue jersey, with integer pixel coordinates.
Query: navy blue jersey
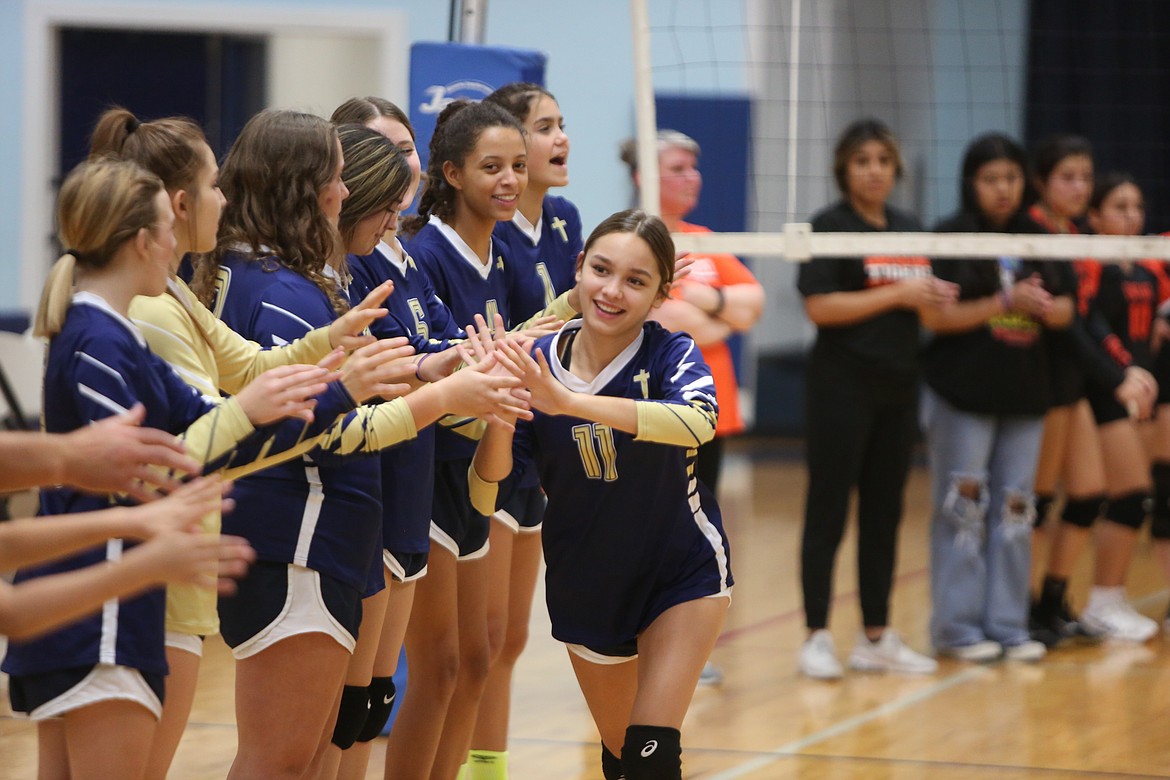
(320, 511)
(99, 365)
(467, 287)
(408, 472)
(415, 309)
(542, 258)
(628, 531)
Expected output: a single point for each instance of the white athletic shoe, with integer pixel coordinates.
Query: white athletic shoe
(818, 657)
(1030, 650)
(1119, 620)
(889, 654)
(977, 652)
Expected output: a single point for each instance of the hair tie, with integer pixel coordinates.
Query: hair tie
(132, 124)
(73, 252)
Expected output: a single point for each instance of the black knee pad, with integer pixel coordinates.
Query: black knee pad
(1081, 512)
(1160, 511)
(611, 765)
(1043, 504)
(1160, 527)
(382, 692)
(652, 753)
(351, 715)
(1128, 510)
(1161, 473)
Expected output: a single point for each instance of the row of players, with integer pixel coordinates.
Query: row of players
(1039, 377)
(293, 255)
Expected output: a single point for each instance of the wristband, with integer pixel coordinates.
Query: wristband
(720, 300)
(418, 366)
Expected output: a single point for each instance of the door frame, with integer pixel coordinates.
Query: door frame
(41, 91)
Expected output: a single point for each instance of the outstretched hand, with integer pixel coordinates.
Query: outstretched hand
(382, 369)
(285, 391)
(494, 387)
(541, 326)
(547, 393)
(178, 550)
(349, 330)
(116, 455)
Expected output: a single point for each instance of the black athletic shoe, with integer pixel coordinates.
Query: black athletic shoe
(1046, 622)
(1041, 627)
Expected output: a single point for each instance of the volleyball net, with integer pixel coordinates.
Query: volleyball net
(939, 73)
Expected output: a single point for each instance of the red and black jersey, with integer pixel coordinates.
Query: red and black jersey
(1120, 314)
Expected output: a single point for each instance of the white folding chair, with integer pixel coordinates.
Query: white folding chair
(22, 371)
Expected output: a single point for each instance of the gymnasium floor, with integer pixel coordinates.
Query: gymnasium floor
(1084, 712)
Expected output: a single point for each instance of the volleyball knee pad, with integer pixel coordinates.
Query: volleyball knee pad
(382, 692)
(1043, 504)
(351, 715)
(1160, 510)
(611, 765)
(1081, 512)
(652, 753)
(1128, 510)
(1161, 474)
(1160, 527)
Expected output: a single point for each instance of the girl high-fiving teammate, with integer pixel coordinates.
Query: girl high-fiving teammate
(638, 564)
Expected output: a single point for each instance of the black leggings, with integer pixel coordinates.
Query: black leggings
(859, 433)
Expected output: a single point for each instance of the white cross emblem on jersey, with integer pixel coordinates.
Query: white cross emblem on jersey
(643, 378)
(558, 225)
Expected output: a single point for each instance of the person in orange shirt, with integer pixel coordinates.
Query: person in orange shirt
(717, 298)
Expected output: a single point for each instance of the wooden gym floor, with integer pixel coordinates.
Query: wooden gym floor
(1084, 712)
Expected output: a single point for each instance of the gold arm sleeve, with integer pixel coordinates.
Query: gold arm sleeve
(680, 425)
(239, 360)
(175, 337)
(371, 428)
(216, 434)
(308, 349)
(559, 308)
(483, 493)
(470, 428)
(367, 429)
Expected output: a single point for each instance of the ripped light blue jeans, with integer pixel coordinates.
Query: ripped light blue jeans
(982, 469)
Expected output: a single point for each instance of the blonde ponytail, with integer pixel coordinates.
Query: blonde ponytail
(55, 298)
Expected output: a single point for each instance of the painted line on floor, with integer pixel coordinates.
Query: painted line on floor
(796, 746)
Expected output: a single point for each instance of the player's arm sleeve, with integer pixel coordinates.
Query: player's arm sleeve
(368, 429)
(559, 308)
(470, 428)
(488, 496)
(684, 412)
(1101, 367)
(173, 336)
(1097, 326)
(483, 493)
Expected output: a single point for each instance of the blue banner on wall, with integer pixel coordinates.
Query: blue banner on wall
(722, 126)
(443, 72)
